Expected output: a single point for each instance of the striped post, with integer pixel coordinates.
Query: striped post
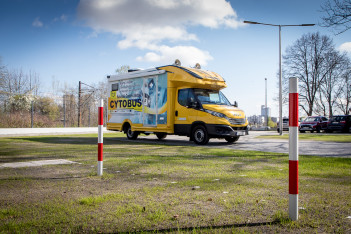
(100, 137)
(293, 149)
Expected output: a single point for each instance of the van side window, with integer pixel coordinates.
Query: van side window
(115, 87)
(183, 97)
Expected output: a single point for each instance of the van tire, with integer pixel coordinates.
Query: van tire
(232, 139)
(130, 134)
(161, 135)
(200, 135)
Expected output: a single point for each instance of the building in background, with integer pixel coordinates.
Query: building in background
(260, 120)
(256, 120)
(265, 111)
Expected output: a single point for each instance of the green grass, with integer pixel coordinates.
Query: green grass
(314, 137)
(152, 186)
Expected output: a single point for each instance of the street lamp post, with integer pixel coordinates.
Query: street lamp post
(280, 65)
(266, 111)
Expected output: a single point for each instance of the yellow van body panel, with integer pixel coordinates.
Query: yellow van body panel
(138, 127)
(180, 77)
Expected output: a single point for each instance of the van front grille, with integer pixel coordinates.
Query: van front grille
(237, 121)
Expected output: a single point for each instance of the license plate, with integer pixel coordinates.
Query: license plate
(240, 133)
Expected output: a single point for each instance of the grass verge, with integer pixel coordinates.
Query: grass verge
(148, 187)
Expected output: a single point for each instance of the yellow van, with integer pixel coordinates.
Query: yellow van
(173, 100)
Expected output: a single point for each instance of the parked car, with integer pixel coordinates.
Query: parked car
(339, 123)
(285, 125)
(313, 123)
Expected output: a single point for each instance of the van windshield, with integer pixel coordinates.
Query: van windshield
(206, 96)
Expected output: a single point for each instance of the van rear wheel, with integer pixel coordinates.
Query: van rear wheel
(200, 135)
(161, 135)
(130, 134)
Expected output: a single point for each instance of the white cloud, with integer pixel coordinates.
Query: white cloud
(146, 38)
(188, 55)
(150, 24)
(37, 23)
(63, 18)
(346, 47)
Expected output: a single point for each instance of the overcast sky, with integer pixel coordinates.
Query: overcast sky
(72, 41)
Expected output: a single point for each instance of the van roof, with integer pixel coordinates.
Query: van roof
(197, 73)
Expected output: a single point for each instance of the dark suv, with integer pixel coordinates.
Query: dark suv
(339, 123)
(313, 123)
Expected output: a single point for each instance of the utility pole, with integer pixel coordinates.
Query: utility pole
(79, 111)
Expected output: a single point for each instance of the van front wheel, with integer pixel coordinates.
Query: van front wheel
(232, 139)
(130, 134)
(200, 135)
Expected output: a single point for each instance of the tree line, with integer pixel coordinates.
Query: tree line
(23, 103)
(323, 72)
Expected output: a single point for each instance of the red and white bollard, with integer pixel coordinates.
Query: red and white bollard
(100, 138)
(293, 149)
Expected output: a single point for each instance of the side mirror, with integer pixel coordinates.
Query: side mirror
(235, 104)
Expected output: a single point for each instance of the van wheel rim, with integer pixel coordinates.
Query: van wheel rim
(199, 135)
(129, 132)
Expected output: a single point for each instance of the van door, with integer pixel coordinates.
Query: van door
(185, 115)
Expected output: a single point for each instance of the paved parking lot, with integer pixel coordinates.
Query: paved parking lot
(250, 142)
(320, 148)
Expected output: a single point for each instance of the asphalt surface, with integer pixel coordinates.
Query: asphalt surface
(250, 142)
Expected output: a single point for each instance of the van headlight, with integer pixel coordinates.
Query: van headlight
(217, 114)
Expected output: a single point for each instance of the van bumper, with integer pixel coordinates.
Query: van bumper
(219, 131)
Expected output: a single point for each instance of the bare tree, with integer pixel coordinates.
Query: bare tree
(102, 92)
(16, 82)
(338, 15)
(71, 107)
(332, 87)
(34, 83)
(3, 94)
(306, 59)
(344, 99)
